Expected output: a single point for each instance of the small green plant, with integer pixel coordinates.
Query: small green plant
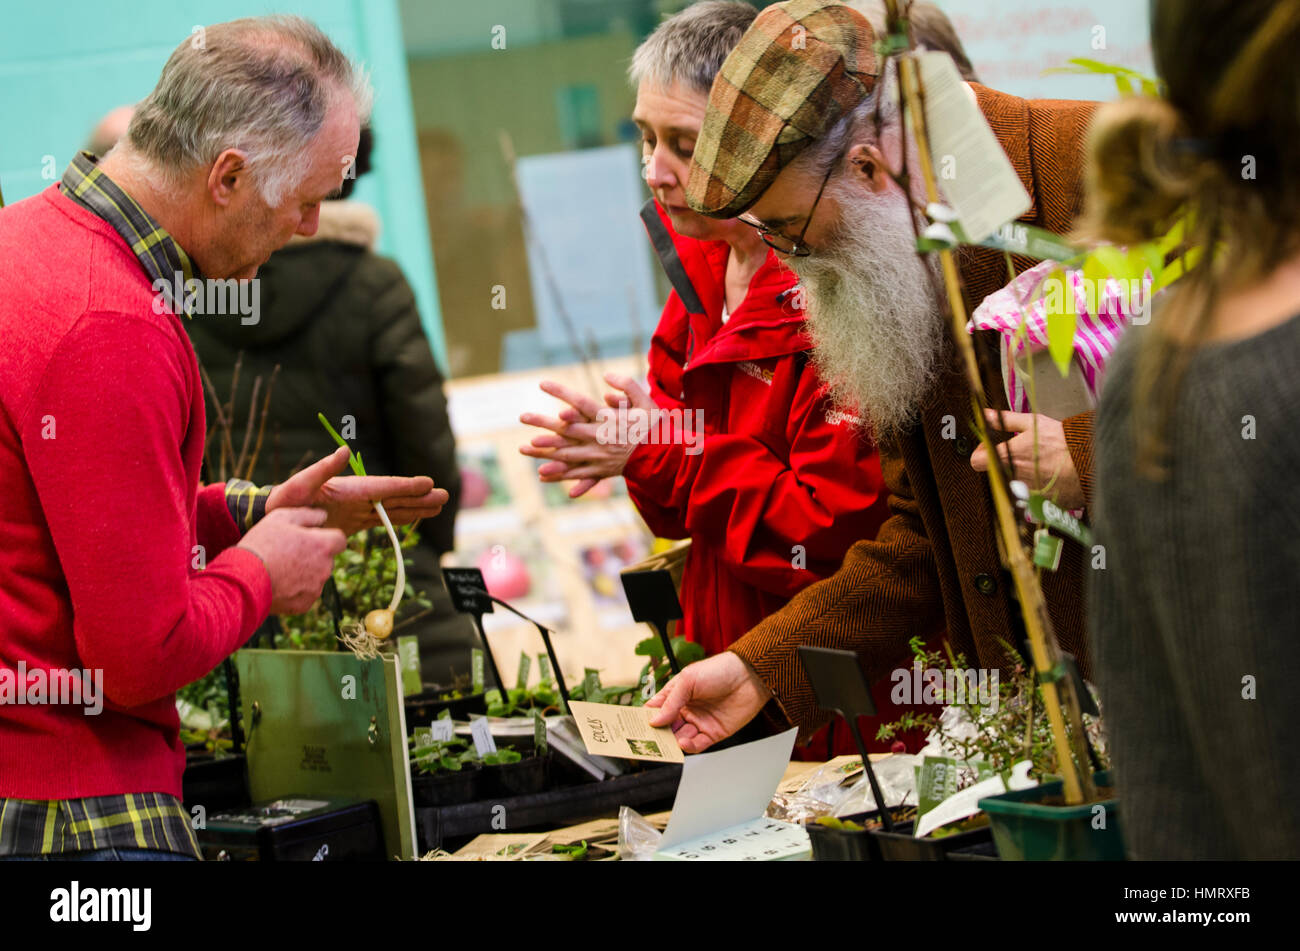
(502, 757)
(441, 756)
(1016, 728)
(686, 652)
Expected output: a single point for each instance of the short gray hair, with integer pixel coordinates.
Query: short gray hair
(690, 47)
(259, 84)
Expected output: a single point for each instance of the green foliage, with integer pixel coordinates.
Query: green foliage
(1018, 729)
(441, 756)
(363, 576)
(502, 757)
(574, 852)
(1127, 81)
(354, 458)
(686, 652)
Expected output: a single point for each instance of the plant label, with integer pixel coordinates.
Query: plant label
(544, 669)
(442, 730)
(423, 737)
(468, 590)
(1047, 550)
(624, 732)
(476, 670)
(408, 659)
(982, 187)
(481, 732)
(525, 668)
(539, 734)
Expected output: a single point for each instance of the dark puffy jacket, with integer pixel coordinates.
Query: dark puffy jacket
(342, 324)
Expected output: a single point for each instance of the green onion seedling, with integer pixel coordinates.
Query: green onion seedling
(379, 623)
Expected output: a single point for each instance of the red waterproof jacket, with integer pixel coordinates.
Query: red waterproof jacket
(784, 483)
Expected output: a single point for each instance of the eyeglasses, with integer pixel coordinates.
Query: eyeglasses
(779, 243)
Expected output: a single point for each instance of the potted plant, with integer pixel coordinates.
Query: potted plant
(444, 773)
(509, 772)
(850, 838)
(987, 739)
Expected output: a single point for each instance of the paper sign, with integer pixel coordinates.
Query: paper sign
(468, 590)
(481, 732)
(408, 659)
(718, 812)
(624, 732)
(442, 729)
(973, 172)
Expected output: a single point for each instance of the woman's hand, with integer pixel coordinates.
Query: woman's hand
(587, 441)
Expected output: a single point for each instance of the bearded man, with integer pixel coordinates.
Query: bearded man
(790, 143)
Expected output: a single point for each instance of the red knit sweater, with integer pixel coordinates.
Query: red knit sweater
(101, 438)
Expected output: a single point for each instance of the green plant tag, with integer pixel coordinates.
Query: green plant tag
(525, 668)
(539, 733)
(423, 737)
(476, 670)
(544, 669)
(936, 781)
(408, 659)
(1043, 511)
(1047, 550)
(1016, 237)
(591, 685)
(444, 714)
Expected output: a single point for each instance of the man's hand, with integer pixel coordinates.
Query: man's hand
(1053, 455)
(298, 553)
(574, 448)
(710, 700)
(348, 501)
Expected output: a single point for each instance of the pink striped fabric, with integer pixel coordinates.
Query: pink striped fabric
(1100, 322)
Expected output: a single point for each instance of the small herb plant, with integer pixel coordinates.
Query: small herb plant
(686, 652)
(441, 756)
(1015, 729)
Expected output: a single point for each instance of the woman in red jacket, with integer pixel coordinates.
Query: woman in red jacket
(779, 484)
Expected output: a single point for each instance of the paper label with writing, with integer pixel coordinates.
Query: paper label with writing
(481, 733)
(973, 172)
(442, 730)
(624, 732)
(539, 734)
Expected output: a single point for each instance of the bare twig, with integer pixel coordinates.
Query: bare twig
(261, 429)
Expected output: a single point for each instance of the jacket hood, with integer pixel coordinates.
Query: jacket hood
(298, 279)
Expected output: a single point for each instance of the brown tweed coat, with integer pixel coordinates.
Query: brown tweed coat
(934, 565)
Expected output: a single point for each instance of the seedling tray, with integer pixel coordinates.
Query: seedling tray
(901, 846)
(566, 805)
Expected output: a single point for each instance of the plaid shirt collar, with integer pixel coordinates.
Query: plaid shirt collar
(157, 251)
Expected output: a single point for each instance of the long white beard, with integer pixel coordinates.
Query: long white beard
(876, 326)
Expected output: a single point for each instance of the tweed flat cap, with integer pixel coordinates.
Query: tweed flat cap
(798, 69)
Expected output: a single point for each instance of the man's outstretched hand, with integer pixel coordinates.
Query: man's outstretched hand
(709, 701)
(348, 501)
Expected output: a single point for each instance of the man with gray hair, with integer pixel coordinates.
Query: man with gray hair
(115, 565)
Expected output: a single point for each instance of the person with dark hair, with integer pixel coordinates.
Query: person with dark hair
(778, 484)
(1195, 615)
(342, 325)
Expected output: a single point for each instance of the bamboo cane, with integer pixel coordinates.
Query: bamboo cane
(1045, 654)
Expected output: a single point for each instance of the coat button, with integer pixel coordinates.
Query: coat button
(985, 584)
(962, 446)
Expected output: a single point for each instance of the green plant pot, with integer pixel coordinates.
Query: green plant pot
(1026, 830)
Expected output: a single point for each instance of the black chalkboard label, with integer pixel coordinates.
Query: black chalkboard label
(651, 596)
(468, 590)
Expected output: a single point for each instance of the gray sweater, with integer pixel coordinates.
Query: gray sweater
(1195, 618)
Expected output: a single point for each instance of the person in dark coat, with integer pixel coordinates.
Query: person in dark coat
(342, 325)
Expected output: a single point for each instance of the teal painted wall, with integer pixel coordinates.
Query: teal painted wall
(62, 67)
